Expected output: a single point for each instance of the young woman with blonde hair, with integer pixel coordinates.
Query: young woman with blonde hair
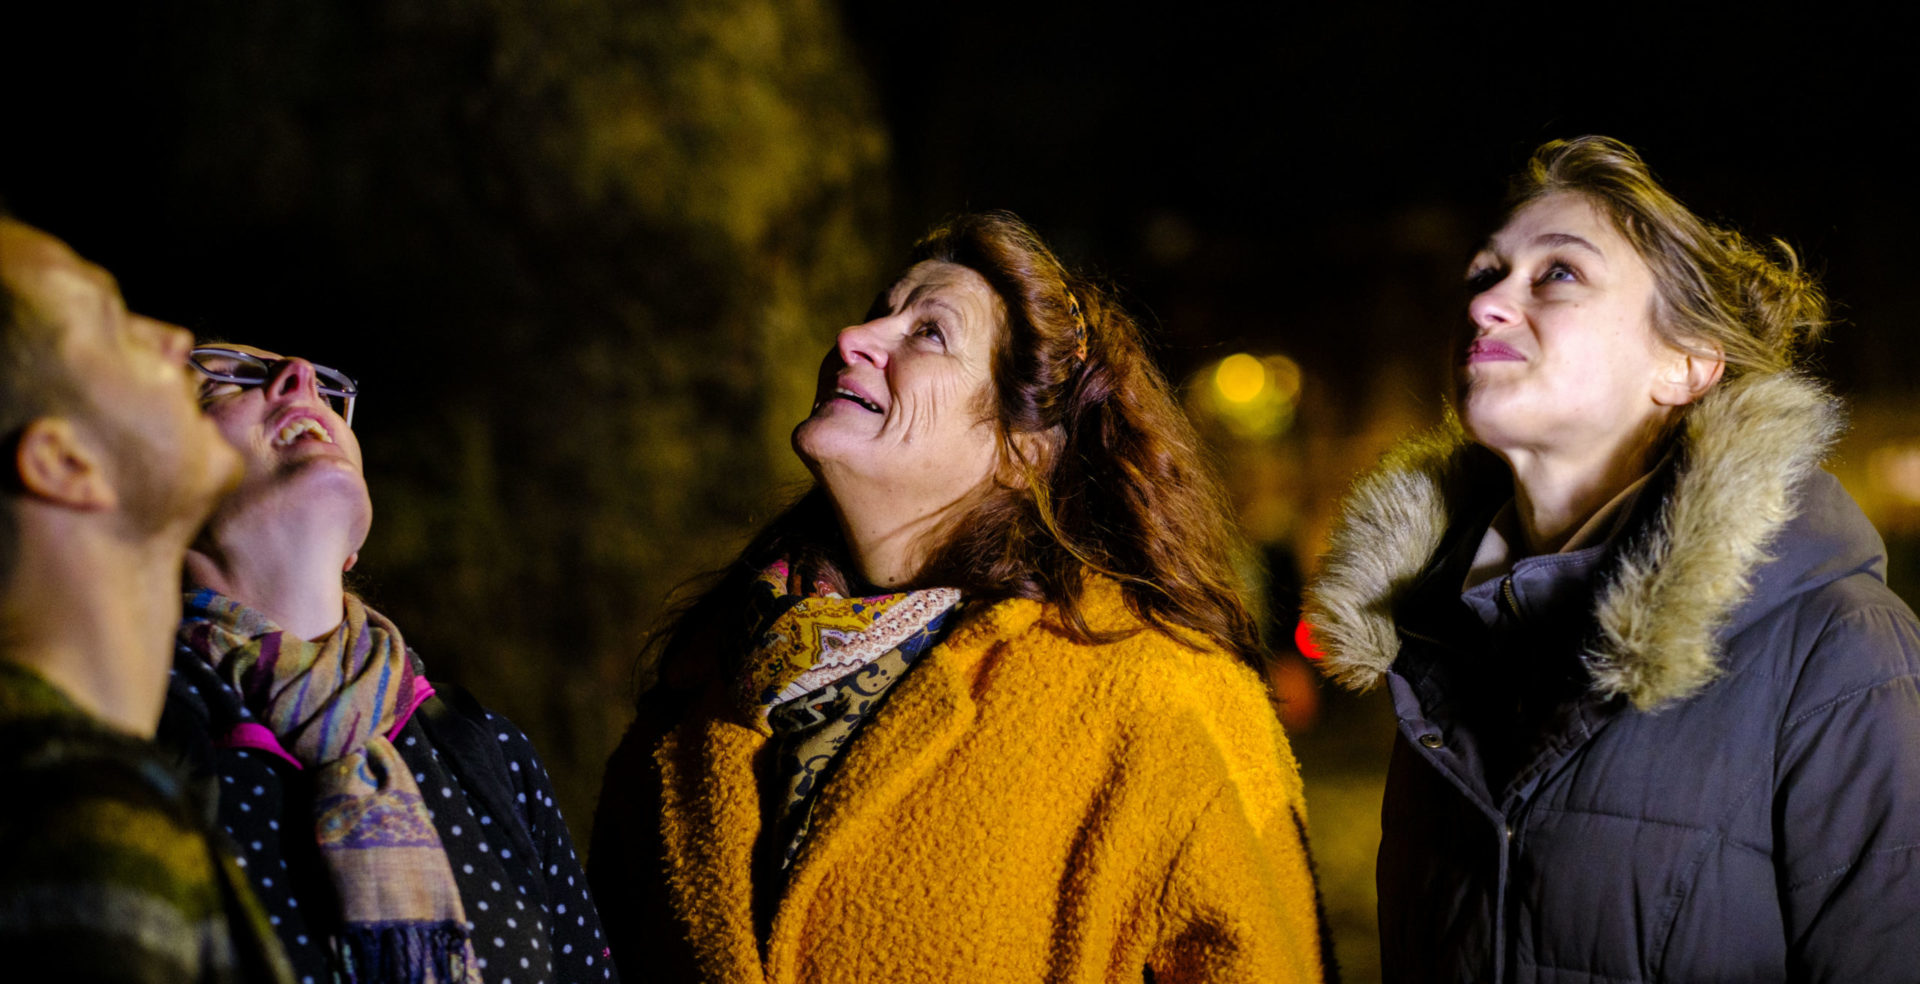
(1659, 712)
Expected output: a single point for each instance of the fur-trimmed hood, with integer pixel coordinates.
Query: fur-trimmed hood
(1746, 449)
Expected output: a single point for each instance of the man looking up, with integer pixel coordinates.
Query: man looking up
(107, 870)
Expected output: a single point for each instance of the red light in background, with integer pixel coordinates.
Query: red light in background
(1303, 641)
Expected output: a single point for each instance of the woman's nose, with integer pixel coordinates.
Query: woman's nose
(293, 377)
(861, 343)
(1492, 307)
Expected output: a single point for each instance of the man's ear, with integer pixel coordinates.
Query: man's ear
(1687, 376)
(352, 559)
(56, 466)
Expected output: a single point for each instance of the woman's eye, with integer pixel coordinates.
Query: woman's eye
(1558, 273)
(213, 389)
(1479, 281)
(931, 330)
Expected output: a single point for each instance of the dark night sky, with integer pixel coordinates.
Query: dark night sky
(1289, 137)
(1282, 144)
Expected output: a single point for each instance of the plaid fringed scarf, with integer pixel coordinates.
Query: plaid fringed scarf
(333, 703)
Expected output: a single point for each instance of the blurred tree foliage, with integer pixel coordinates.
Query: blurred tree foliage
(584, 257)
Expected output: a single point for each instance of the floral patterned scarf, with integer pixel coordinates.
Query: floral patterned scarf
(333, 703)
(820, 665)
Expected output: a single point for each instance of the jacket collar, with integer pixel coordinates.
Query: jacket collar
(709, 783)
(1670, 590)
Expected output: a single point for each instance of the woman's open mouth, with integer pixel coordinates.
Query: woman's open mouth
(843, 393)
(301, 428)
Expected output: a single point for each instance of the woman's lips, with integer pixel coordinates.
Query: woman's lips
(298, 424)
(1488, 350)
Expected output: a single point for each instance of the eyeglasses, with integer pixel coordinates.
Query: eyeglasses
(244, 369)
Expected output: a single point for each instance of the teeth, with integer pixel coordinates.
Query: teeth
(301, 426)
(857, 398)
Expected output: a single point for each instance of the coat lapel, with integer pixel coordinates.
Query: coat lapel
(710, 816)
(923, 719)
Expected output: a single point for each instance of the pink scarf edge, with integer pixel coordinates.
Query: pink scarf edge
(256, 736)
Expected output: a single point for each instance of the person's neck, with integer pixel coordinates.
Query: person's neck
(888, 537)
(1555, 493)
(96, 616)
(288, 571)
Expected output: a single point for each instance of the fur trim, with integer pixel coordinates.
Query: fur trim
(1390, 525)
(1746, 447)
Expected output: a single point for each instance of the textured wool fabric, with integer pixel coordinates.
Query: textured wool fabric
(107, 871)
(1023, 808)
(332, 702)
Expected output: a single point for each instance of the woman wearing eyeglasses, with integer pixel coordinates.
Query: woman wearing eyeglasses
(394, 833)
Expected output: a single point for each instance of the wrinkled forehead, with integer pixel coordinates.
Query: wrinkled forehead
(955, 287)
(943, 276)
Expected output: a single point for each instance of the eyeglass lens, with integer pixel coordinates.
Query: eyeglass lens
(248, 370)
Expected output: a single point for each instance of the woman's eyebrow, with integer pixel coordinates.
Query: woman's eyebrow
(1546, 240)
(1553, 240)
(941, 303)
(923, 294)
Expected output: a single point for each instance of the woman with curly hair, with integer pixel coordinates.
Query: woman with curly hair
(981, 705)
(1659, 712)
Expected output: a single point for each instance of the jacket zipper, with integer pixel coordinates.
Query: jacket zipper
(1506, 595)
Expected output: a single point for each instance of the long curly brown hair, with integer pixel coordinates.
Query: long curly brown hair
(1119, 487)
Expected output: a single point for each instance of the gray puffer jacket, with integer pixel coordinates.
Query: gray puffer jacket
(1708, 769)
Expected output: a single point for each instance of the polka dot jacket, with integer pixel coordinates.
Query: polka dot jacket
(513, 860)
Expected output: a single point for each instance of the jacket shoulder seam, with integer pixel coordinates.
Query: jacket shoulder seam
(1839, 870)
(1832, 703)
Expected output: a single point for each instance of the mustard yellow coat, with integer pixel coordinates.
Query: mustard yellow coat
(1023, 808)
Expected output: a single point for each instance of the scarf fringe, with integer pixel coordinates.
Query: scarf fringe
(404, 953)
